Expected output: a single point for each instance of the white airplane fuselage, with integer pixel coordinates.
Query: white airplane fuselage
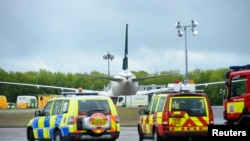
(125, 86)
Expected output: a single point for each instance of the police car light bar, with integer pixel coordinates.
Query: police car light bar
(235, 68)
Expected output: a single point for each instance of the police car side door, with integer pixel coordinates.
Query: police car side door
(44, 120)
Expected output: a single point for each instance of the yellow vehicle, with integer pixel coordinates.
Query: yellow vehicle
(75, 116)
(176, 114)
(3, 102)
(43, 99)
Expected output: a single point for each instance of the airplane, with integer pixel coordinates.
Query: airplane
(125, 82)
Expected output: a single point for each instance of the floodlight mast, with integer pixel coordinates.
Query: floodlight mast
(108, 57)
(180, 34)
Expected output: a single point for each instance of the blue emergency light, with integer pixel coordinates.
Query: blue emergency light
(235, 68)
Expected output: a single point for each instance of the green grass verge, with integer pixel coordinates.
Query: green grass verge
(20, 118)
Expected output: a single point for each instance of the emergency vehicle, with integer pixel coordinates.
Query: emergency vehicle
(180, 112)
(26, 101)
(75, 116)
(43, 99)
(237, 102)
(3, 102)
(131, 100)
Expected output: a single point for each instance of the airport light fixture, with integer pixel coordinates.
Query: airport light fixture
(180, 34)
(108, 57)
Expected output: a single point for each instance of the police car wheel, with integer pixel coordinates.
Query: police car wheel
(57, 136)
(140, 134)
(30, 135)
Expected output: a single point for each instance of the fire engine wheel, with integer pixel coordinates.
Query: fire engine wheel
(156, 136)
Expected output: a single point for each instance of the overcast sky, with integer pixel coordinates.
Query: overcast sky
(72, 36)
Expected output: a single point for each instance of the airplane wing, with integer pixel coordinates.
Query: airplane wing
(218, 82)
(152, 91)
(210, 83)
(150, 77)
(102, 77)
(45, 86)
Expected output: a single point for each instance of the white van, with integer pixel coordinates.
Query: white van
(132, 101)
(26, 101)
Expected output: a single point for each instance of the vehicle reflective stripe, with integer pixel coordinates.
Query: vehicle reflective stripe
(159, 118)
(148, 124)
(58, 120)
(190, 128)
(235, 107)
(143, 119)
(47, 122)
(40, 133)
(204, 121)
(113, 123)
(35, 123)
(65, 131)
(22, 105)
(189, 123)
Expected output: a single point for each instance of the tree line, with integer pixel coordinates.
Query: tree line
(74, 80)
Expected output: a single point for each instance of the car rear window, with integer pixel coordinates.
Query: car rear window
(194, 106)
(93, 105)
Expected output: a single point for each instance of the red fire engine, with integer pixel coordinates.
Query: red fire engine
(237, 102)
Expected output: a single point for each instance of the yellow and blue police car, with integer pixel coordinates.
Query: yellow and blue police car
(74, 117)
(180, 113)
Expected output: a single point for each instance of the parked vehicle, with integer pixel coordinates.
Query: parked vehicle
(26, 101)
(237, 102)
(43, 99)
(75, 116)
(179, 112)
(11, 105)
(131, 101)
(3, 102)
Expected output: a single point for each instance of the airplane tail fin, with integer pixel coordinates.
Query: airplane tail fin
(125, 59)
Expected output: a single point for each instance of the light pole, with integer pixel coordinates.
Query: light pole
(108, 57)
(180, 34)
(222, 92)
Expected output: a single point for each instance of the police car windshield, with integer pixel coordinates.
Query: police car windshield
(193, 106)
(93, 105)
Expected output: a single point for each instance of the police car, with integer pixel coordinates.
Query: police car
(180, 112)
(75, 116)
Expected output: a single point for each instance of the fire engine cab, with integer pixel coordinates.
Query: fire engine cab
(237, 102)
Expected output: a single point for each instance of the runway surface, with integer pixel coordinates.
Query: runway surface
(127, 133)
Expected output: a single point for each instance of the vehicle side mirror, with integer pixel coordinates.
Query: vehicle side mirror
(142, 111)
(38, 113)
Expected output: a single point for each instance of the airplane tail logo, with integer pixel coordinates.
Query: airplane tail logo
(125, 59)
